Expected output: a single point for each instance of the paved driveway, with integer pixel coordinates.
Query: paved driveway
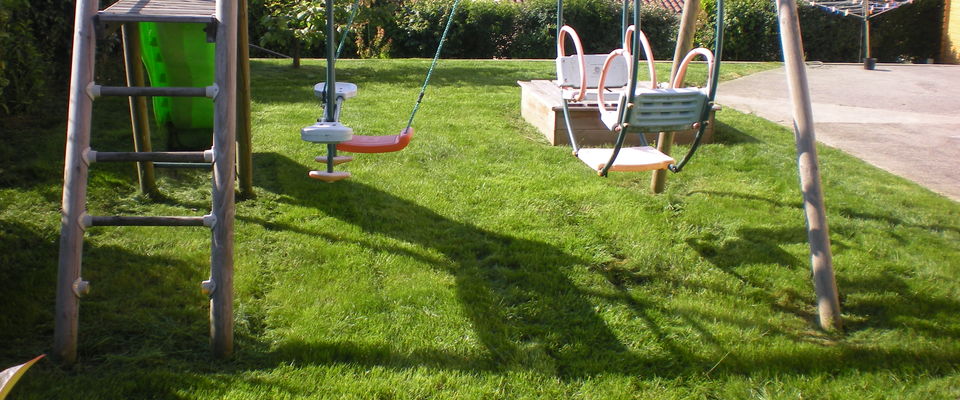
(902, 118)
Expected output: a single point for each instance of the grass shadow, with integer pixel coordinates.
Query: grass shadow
(887, 301)
(31, 157)
(884, 300)
(515, 291)
(891, 220)
(728, 135)
(495, 274)
(746, 196)
(751, 246)
(162, 312)
(758, 246)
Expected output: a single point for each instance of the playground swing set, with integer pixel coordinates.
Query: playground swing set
(662, 107)
(339, 137)
(657, 108)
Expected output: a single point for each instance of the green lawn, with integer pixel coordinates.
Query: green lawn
(482, 263)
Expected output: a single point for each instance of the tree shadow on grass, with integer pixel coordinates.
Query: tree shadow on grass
(758, 246)
(161, 311)
(891, 220)
(31, 157)
(885, 299)
(523, 306)
(28, 259)
(499, 278)
(751, 246)
(747, 196)
(728, 135)
(496, 277)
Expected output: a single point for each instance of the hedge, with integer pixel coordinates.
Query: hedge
(36, 35)
(486, 29)
(35, 38)
(910, 33)
(502, 29)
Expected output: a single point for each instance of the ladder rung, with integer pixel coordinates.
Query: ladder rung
(169, 156)
(181, 165)
(170, 91)
(145, 221)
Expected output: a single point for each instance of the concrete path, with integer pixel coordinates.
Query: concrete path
(902, 118)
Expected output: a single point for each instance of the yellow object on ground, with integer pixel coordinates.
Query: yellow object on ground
(10, 376)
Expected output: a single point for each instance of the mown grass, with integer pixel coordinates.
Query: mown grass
(482, 263)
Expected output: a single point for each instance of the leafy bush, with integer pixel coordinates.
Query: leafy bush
(750, 29)
(829, 37)
(34, 40)
(295, 26)
(35, 35)
(661, 26)
(909, 34)
(486, 29)
(534, 30)
(492, 29)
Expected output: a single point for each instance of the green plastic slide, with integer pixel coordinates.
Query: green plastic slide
(177, 54)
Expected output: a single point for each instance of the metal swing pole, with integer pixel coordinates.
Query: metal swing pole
(625, 18)
(329, 96)
(632, 88)
(818, 234)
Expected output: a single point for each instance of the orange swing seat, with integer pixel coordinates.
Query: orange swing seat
(377, 144)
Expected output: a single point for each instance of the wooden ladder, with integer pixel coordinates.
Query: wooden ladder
(220, 16)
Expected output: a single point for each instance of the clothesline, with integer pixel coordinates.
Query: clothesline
(856, 7)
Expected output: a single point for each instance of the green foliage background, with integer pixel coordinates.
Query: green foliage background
(34, 52)
(491, 29)
(36, 35)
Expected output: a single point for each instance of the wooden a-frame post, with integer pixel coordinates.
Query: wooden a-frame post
(818, 234)
(688, 27)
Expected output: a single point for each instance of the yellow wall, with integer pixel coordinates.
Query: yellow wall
(950, 50)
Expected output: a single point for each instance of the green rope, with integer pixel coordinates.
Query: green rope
(346, 29)
(436, 57)
(559, 16)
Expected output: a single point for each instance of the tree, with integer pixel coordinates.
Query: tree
(293, 24)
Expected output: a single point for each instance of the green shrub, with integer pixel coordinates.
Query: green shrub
(829, 37)
(486, 29)
(35, 38)
(534, 30)
(911, 33)
(750, 30)
(661, 27)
